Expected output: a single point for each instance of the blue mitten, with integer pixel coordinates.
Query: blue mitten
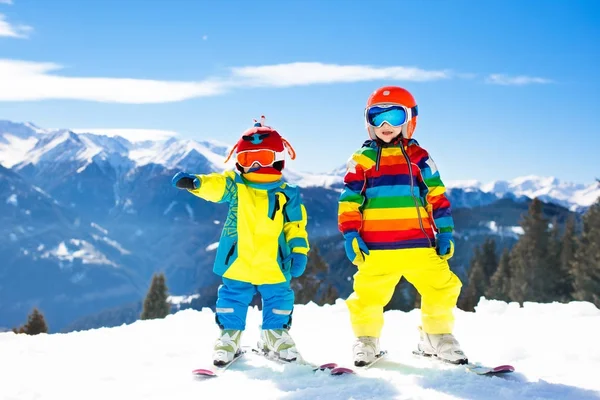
(355, 248)
(444, 245)
(183, 180)
(299, 262)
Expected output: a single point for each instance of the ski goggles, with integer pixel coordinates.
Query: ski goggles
(393, 114)
(263, 157)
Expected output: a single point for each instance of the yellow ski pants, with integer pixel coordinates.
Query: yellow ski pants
(377, 277)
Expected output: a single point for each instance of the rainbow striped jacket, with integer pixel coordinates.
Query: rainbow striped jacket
(393, 197)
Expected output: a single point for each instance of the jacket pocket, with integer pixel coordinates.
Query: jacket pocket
(230, 253)
(282, 252)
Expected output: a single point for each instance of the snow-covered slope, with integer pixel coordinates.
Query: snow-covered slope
(188, 154)
(153, 359)
(16, 140)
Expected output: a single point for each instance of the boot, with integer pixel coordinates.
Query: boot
(278, 343)
(365, 349)
(227, 346)
(443, 346)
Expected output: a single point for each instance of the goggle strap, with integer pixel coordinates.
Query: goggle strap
(230, 153)
(414, 111)
(289, 148)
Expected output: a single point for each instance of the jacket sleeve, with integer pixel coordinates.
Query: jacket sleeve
(434, 193)
(295, 220)
(353, 195)
(215, 187)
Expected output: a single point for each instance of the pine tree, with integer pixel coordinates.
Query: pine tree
(475, 288)
(330, 295)
(500, 281)
(36, 324)
(156, 303)
(568, 246)
(585, 267)
(489, 259)
(483, 265)
(313, 285)
(531, 279)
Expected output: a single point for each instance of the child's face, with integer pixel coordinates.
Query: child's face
(387, 133)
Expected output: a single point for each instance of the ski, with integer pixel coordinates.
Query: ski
(476, 368)
(345, 370)
(315, 367)
(216, 370)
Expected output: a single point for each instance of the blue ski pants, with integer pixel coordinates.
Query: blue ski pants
(234, 297)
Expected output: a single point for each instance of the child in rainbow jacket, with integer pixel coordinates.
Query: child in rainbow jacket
(263, 244)
(397, 221)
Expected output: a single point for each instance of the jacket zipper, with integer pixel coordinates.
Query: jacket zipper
(275, 207)
(412, 192)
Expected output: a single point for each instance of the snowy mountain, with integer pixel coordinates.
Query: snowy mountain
(25, 146)
(153, 359)
(549, 189)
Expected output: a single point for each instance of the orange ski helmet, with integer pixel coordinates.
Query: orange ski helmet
(394, 95)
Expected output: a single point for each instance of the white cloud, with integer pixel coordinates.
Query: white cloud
(29, 81)
(309, 73)
(500, 79)
(133, 135)
(15, 31)
(5, 1)
(23, 81)
(26, 81)
(205, 37)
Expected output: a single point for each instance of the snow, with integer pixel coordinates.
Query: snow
(78, 249)
(190, 211)
(12, 199)
(212, 246)
(172, 152)
(552, 347)
(168, 209)
(182, 299)
(131, 135)
(113, 243)
(304, 179)
(513, 231)
(569, 194)
(13, 149)
(125, 149)
(98, 227)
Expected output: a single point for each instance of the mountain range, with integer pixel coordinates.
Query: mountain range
(88, 218)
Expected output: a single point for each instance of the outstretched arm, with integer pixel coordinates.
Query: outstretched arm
(212, 187)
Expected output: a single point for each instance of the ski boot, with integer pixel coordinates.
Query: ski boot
(443, 346)
(279, 344)
(365, 349)
(227, 347)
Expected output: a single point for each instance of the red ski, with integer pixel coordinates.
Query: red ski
(475, 367)
(216, 370)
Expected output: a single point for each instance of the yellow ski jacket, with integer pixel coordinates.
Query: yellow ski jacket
(265, 223)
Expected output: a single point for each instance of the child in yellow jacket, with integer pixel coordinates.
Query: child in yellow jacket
(397, 221)
(264, 242)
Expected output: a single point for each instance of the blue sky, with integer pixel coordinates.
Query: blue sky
(505, 88)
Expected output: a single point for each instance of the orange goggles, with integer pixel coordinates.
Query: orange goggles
(262, 157)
